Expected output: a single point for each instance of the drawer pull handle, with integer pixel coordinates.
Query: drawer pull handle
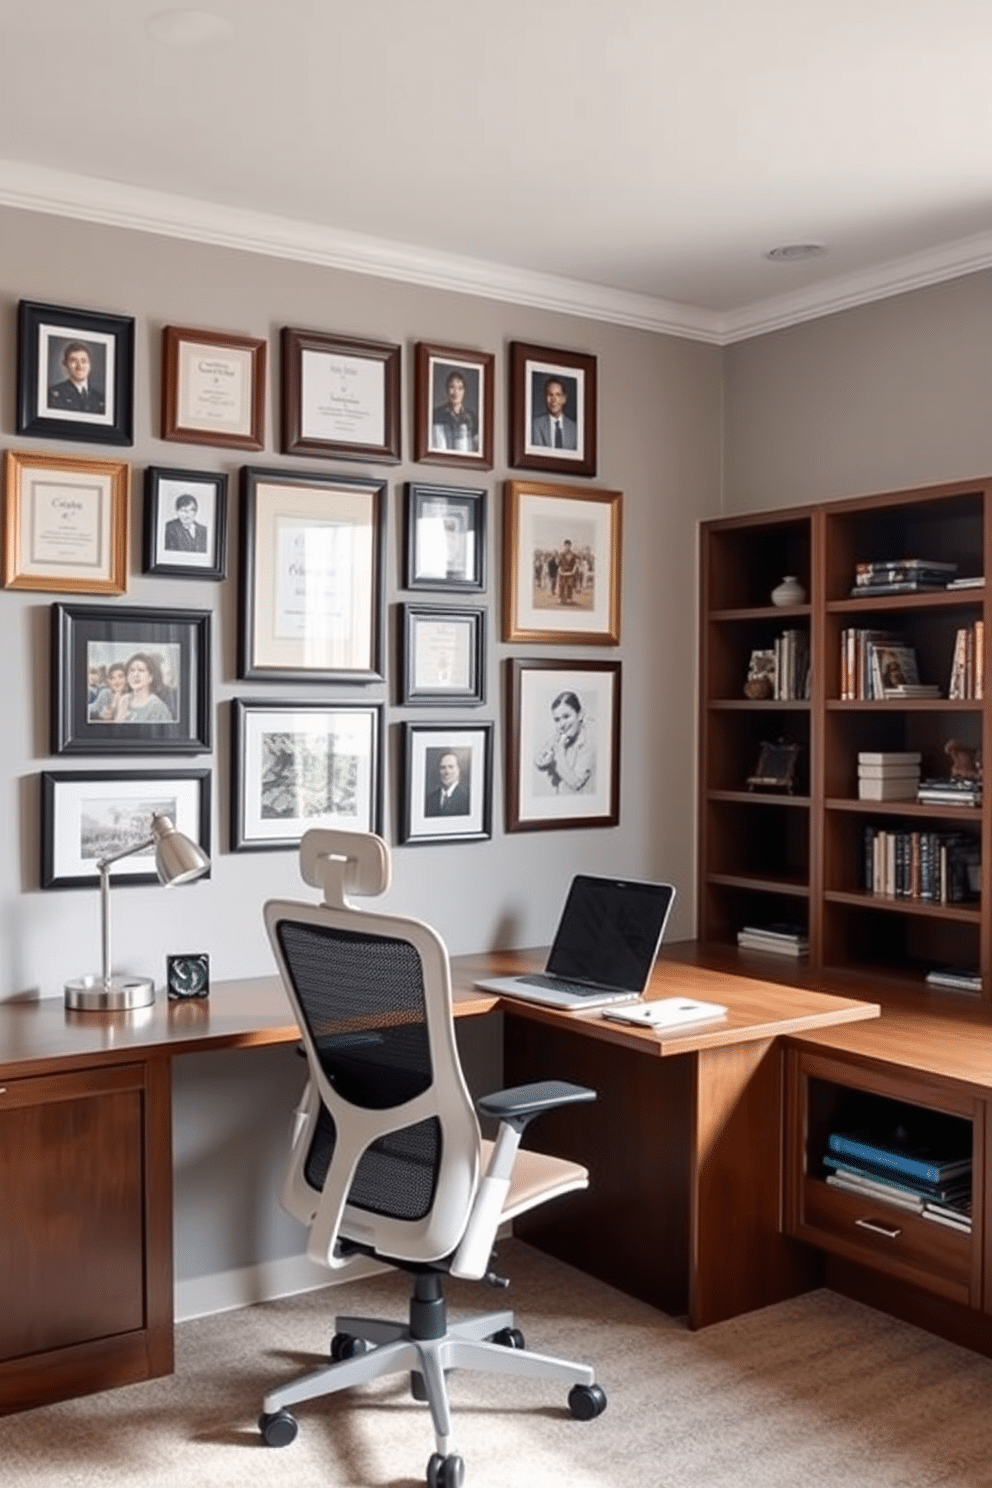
(891, 1232)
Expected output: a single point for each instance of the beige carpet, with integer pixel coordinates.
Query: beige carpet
(816, 1391)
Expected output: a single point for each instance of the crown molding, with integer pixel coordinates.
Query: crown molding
(36, 188)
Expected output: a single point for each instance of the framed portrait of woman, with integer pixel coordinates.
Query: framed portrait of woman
(563, 745)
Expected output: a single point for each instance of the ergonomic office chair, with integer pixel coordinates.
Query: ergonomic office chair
(387, 1160)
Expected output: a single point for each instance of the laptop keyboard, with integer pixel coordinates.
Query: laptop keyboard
(558, 984)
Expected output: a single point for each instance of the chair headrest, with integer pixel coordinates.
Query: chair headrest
(340, 863)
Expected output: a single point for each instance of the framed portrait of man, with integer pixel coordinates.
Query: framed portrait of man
(453, 423)
(552, 409)
(75, 374)
(447, 782)
(185, 522)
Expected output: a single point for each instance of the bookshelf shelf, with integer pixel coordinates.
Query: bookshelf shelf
(965, 914)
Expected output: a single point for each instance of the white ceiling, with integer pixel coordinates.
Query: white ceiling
(632, 159)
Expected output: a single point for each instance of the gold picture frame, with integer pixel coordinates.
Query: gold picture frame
(65, 523)
(561, 557)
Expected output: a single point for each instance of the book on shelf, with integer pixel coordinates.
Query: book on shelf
(872, 1178)
(901, 576)
(967, 581)
(968, 662)
(779, 939)
(892, 1154)
(947, 792)
(935, 867)
(891, 757)
(883, 1191)
(952, 1221)
(955, 978)
(888, 787)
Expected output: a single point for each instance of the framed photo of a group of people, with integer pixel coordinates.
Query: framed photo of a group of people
(75, 371)
(130, 681)
(447, 782)
(563, 744)
(561, 564)
(185, 523)
(552, 409)
(213, 388)
(445, 537)
(340, 397)
(301, 765)
(453, 406)
(65, 523)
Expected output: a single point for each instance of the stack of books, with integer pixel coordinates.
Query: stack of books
(779, 939)
(955, 978)
(937, 867)
(935, 1184)
(968, 665)
(888, 775)
(943, 791)
(901, 576)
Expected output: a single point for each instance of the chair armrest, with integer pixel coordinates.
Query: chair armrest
(522, 1103)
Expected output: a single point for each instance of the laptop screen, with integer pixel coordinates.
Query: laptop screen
(610, 931)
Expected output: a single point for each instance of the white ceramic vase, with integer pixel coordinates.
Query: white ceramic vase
(789, 592)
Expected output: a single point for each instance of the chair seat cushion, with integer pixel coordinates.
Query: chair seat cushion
(537, 1177)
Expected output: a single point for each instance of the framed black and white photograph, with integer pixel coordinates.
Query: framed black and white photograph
(185, 523)
(301, 765)
(443, 655)
(552, 409)
(213, 388)
(445, 537)
(447, 783)
(75, 374)
(563, 745)
(561, 564)
(89, 815)
(65, 523)
(453, 406)
(340, 397)
(130, 681)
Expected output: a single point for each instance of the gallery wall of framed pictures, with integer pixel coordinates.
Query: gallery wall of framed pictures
(320, 551)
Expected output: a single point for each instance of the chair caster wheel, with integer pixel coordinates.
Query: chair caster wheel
(586, 1402)
(347, 1346)
(510, 1338)
(279, 1429)
(445, 1472)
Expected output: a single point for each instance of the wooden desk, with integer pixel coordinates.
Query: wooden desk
(684, 1153)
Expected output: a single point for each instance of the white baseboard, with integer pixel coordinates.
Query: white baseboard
(199, 1296)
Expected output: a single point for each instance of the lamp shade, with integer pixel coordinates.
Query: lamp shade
(178, 859)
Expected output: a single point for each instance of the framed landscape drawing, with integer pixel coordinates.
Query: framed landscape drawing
(75, 374)
(563, 745)
(213, 388)
(340, 397)
(552, 410)
(65, 523)
(300, 765)
(453, 398)
(561, 564)
(447, 782)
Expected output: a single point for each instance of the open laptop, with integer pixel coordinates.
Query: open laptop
(604, 948)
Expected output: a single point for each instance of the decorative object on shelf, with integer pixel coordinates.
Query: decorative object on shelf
(561, 564)
(776, 767)
(74, 374)
(178, 860)
(213, 388)
(760, 684)
(445, 537)
(453, 400)
(789, 592)
(340, 397)
(187, 976)
(447, 782)
(443, 656)
(552, 410)
(185, 523)
(65, 523)
(966, 763)
(563, 745)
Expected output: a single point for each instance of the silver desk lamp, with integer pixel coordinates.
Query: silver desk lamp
(177, 861)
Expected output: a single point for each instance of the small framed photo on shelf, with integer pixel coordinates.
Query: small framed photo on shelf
(561, 564)
(65, 523)
(445, 537)
(563, 745)
(552, 410)
(75, 374)
(443, 656)
(130, 681)
(213, 388)
(311, 576)
(301, 765)
(453, 398)
(776, 767)
(340, 397)
(185, 523)
(447, 783)
(89, 815)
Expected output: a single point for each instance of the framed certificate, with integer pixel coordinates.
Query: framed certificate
(341, 398)
(65, 523)
(213, 388)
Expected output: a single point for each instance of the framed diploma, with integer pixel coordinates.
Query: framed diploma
(341, 398)
(443, 654)
(213, 388)
(65, 523)
(311, 576)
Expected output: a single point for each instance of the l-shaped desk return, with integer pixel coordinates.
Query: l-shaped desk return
(684, 1147)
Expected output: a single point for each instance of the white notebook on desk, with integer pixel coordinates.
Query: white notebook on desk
(666, 1012)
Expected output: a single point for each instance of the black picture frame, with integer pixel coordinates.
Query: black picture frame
(303, 755)
(340, 397)
(49, 403)
(175, 646)
(442, 656)
(445, 537)
(425, 747)
(532, 369)
(170, 548)
(86, 814)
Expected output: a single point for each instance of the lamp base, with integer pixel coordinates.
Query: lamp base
(91, 994)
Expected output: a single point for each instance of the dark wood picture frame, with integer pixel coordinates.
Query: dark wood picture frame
(462, 434)
(213, 388)
(280, 508)
(87, 637)
(445, 537)
(170, 548)
(67, 862)
(340, 397)
(468, 817)
(65, 523)
(552, 784)
(49, 404)
(442, 656)
(532, 370)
